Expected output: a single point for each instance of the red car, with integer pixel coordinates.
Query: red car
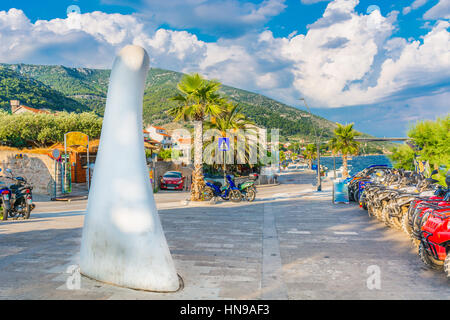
(172, 180)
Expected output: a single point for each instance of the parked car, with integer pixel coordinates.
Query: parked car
(172, 180)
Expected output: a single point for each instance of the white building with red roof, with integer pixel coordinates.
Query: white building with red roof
(18, 108)
(160, 134)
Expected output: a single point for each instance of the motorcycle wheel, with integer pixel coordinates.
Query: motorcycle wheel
(405, 223)
(384, 214)
(428, 260)
(235, 196)
(207, 194)
(396, 223)
(370, 210)
(5, 214)
(250, 195)
(27, 212)
(356, 198)
(447, 265)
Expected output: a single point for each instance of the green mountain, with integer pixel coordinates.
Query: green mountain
(88, 88)
(17, 86)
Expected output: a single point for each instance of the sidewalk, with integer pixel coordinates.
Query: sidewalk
(291, 243)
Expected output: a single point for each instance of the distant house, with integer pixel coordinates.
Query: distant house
(18, 108)
(150, 143)
(160, 134)
(184, 144)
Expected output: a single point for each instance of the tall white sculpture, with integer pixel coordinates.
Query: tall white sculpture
(123, 242)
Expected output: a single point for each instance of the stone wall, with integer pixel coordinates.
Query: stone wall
(37, 169)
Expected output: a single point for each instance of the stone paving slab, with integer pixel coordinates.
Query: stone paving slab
(292, 243)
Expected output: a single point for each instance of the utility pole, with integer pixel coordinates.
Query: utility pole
(319, 180)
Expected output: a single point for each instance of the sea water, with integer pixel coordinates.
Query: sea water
(357, 163)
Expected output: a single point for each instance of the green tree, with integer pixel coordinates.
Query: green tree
(42, 130)
(403, 157)
(282, 156)
(166, 154)
(310, 153)
(344, 142)
(232, 121)
(432, 139)
(197, 100)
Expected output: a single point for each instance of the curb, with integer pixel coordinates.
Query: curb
(267, 185)
(68, 199)
(198, 203)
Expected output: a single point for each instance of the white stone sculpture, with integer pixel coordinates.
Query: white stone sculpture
(123, 242)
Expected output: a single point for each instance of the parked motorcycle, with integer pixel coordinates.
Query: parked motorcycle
(6, 196)
(215, 189)
(21, 197)
(418, 205)
(358, 181)
(248, 189)
(434, 247)
(397, 206)
(409, 201)
(388, 199)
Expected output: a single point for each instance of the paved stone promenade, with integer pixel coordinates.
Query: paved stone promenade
(291, 243)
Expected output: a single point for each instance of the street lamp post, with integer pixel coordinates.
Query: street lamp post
(319, 180)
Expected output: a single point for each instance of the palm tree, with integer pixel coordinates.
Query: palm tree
(197, 100)
(332, 145)
(310, 153)
(344, 142)
(231, 119)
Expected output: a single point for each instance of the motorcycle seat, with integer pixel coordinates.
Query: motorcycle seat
(216, 183)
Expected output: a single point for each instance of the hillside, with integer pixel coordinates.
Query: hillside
(16, 86)
(88, 87)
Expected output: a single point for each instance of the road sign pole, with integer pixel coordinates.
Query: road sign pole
(55, 154)
(224, 168)
(224, 145)
(54, 189)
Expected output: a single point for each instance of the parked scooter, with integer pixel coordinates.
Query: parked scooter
(248, 189)
(5, 199)
(21, 198)
(215, 189)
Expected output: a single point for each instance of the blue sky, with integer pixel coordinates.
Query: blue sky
(350, 63)
(295, 17)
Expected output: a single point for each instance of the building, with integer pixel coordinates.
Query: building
(18, 108)
(160, 134)
(185, 147)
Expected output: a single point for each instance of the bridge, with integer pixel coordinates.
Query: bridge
(381, 139)
(370, 140)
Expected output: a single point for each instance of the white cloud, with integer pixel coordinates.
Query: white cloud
(439, 11)
(225, 18)
(415, 5)
(312, 1)
(345, 58)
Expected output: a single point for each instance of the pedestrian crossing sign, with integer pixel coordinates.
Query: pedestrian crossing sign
(224, 144)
